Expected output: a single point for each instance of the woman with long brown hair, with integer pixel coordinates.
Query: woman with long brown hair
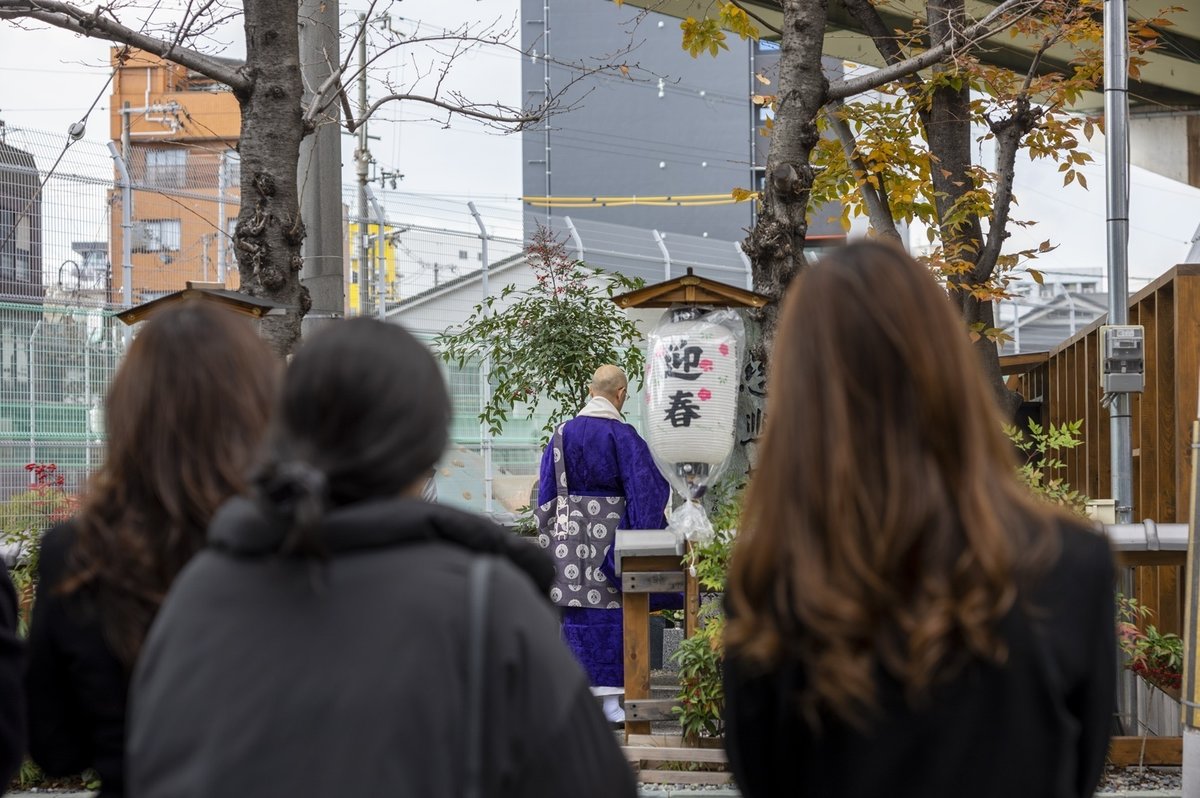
(185, 414)
(905, 618)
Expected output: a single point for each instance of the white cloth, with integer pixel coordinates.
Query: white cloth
(599, 407)
(601, 692)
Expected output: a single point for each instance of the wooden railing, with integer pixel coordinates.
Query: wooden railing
(1067, 383)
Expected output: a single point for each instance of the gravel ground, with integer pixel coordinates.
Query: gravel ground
(1118, 780)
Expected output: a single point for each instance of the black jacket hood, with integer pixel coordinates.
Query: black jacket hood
(243, 527)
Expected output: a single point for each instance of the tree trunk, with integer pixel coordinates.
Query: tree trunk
(776, 244)
(947, 123)
(269, 229)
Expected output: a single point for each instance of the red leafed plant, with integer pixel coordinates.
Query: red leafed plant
(26, 516)
(1153, 655)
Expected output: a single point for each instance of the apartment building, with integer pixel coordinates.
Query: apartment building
(177, 132)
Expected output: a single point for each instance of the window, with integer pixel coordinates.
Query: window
(16, 246)
(765, 46)
(156, 235)
(166, 168)
(463, 254)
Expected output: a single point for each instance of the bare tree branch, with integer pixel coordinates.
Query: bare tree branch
(867, 15)
(999, 19)
(499, 114)
(96, 25)
(1009, 133)
(460, 41)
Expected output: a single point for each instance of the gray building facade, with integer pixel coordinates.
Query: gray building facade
(675, 126)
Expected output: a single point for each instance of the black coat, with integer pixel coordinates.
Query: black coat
(12, 699)
(269, 676)
(1036, 727)
(76, 686)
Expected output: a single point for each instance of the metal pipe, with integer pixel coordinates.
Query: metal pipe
(32, 400)
(377, 253)
(222, 229)
(1116, 157)
(126, 232)
(662, 247)
(1071, 304)
(362, 159)
(87, 402)
(485, 374)
(737, 247)
(753, 89)
(1016, 338)
(546, 100)
(125, 125)
(574, 237)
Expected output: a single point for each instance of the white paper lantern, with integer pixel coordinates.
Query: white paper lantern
(691, 392)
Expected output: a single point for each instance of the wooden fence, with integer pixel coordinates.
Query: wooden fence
(1066, 382)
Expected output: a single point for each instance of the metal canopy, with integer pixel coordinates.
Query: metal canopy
(690, 290)
(237, 302)
(1170, 79)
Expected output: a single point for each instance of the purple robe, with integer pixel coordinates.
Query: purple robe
(605, 458)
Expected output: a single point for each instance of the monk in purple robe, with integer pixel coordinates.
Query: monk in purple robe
(605, 457)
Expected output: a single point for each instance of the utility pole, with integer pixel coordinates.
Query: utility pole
(1116, 169)
(320, 172)
(362, 161)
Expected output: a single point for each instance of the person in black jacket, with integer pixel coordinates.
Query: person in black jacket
(331, 640)
(905, 618)
(185, 413)
(12, 699)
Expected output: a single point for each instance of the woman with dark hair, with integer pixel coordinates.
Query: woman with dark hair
(12, 698)
(905, 617)
(341, 636)
(185, 413)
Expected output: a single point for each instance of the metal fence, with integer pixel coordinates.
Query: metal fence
(87, 229)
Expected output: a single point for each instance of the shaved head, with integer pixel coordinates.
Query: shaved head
(609, 381)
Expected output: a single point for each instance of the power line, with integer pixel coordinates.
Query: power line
(74, 134)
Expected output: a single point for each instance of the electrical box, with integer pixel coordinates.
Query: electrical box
(1122, 358)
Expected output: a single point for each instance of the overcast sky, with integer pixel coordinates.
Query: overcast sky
(48, 78)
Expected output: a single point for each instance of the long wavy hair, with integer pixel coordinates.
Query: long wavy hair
(885, 531)
(186, 413)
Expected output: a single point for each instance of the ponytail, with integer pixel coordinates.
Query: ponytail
(298, 493)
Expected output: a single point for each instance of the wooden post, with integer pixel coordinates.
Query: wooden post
(636, 611)
(691, 601)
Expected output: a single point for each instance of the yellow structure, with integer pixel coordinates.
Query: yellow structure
(178, 132)
(379, 247)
